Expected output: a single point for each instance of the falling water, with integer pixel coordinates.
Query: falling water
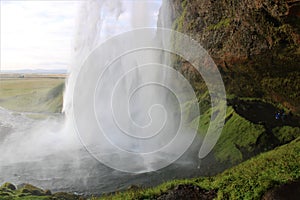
(135, 105)
(54, 158)
(105, 19)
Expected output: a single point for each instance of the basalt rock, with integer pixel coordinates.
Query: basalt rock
(255, 43)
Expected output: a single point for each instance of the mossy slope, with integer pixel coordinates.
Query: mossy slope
(248, 180)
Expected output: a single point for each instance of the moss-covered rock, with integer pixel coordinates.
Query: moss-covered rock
(256, 44)
(66, 196)
(48, 192)
(9, 186)
(286, 134)
(29, 192)
(32, 190)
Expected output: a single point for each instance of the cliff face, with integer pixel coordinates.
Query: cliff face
(256, 43)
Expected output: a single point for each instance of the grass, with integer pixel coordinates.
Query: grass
(286, 133)
(237, 133)
(32, 94)
(248, 180)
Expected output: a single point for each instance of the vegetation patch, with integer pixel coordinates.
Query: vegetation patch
(32, 94)
(179, 22)
(248, 180)
(238, 133)
(286, 133)
(223, 23)
(29, 192)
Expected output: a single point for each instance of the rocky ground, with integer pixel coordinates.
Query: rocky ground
(187, 192)
(26, 191)
(289, 191)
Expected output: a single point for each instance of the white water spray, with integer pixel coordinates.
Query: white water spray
(124, 104)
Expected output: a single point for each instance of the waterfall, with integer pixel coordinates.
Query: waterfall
(122, 92)
(124, 103)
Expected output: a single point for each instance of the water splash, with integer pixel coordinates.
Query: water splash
(129, 92)
(55, 152)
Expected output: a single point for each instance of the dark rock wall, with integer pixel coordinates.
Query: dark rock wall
(256, 43)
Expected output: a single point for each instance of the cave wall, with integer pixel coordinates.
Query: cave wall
(255, 43)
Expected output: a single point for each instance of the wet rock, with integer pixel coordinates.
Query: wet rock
(65, 196)
(187, 192)
(254, 44)
(9, 186)
(48, 192)
(133, 187)
(30, 189)
(290, 191)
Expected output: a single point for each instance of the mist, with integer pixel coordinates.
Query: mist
(136, 102)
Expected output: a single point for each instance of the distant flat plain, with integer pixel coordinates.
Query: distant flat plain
(40, 93)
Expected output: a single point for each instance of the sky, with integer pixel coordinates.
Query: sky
(39, 34)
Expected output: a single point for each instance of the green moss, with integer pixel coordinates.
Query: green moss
(253, 177)
(287, 86)
(178, 24)
(237, 133)
(30, 197)
(223, 23)
(189, 112)
(184, 3)
(30, 192)
(286, 133)
(249, 180)
(8, 186)
(27, 188)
